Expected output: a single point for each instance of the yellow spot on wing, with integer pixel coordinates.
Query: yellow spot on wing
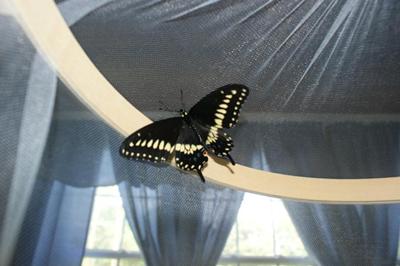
(222, 111)
(167, 146)
(150, 143)
(219, 115)
(161, 147)
(155, 145)
(178, 146)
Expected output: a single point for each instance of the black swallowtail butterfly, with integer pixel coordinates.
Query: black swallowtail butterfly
(191, 135)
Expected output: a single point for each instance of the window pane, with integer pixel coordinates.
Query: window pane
(132, 262)
(111, 191)
(99, 262)
(255, 226)
(107, 219)
(259, 264)
(128, 241)
(301, 264)
(288, 242)
(231, 243)
(263, 229)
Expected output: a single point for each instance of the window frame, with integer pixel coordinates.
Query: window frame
(267, 260)
(225, 259)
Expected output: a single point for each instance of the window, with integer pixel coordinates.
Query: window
(110, 240)
(262, 235)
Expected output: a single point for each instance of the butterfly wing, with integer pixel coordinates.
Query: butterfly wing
(189, 152)
(217, 141)
(154, 142)
(221, 107)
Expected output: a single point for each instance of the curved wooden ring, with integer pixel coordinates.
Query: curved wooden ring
(51, 35)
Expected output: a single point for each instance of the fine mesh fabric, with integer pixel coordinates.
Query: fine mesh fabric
(324, 102)
(302, 56)
(323, 74)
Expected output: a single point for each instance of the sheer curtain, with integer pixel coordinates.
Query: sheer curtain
(55, 225)
(67, 152)
(324, 79)
(349, 234)
(27, 99)
(336, 234)
(178, 225)
(175, 218)
(43, 221)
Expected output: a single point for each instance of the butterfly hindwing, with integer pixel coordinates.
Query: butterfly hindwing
(189, 152)
(217, 141)
(154, 142)
(221, 107)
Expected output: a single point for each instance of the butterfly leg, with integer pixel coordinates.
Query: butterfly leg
(230, 159)
(201, 176)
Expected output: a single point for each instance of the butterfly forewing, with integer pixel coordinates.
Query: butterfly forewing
(221, 107)
(155, 142)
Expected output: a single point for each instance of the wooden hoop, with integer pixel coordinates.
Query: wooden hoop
(47, 29)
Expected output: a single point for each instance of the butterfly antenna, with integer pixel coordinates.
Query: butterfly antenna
(164, 106)
(182, 101)
(201, 176)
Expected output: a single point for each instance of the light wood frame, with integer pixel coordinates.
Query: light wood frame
(47, 29)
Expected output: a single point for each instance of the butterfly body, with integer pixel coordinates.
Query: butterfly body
(192, 135)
